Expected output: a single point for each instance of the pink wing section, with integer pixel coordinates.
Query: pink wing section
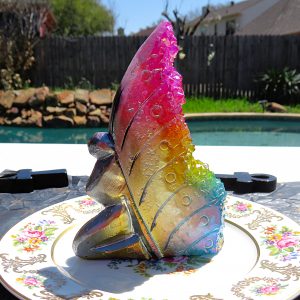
(142, 82)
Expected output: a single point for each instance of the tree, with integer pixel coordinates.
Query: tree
(82, 17)
(181, 27)
(22, 24)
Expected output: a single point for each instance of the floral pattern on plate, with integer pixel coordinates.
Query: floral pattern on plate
(33, 236)
(283, 242)
(171, 265)
(259, 287)
(239, 209)
(31, 281)
(86, 202)
(266, 289)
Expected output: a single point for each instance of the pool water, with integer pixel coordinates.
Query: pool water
(213, 133)
(243, 132)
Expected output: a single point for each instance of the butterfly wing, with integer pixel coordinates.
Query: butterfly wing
(176, 200)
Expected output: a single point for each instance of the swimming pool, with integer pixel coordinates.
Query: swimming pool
(219, 132)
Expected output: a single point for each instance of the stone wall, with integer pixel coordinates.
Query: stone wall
(44, 108)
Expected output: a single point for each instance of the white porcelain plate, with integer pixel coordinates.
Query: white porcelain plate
(260, 260)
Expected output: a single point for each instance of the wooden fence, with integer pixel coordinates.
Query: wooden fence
(217, 66)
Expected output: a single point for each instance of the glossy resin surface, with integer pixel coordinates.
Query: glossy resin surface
(159, 200)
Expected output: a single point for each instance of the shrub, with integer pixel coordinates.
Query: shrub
(280, 85)
(83, 83)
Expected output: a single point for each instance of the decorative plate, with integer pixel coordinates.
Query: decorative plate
(260, 260)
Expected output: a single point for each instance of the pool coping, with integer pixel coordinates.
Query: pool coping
(238, 115)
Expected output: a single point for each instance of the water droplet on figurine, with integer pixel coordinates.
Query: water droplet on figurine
(156, 111)
(204, 220)
(170, 177)
(186, 200)
(164, 145)
(209, 244)
(146, 75)
(169, 95)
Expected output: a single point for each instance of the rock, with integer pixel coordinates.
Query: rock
(39, 97)
(113, 94)
(275, 107)
(7, 122)
(82, 96)
(100, 112)
(65, 97)
(101, 97)
(103, 110)
(23, 96)
(12, 113)
(34, 102)
(92, 107)
(51, 100)
(80, 120)
(104, 118)
(6, 99)
(81, 108)
(42, 93)
(57, 121)
(70, 112)
(25, 113)
(48, 118)
(36, 118)
(17, 121)
(96, 112)
(93, 121)
(55, 110)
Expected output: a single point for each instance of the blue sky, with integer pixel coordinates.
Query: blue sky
(136, 14)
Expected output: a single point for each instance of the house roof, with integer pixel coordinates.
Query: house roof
(280, 19)
(145, 31)
(228, 11)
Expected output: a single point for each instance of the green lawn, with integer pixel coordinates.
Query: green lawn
(201, 105)
(294, 109)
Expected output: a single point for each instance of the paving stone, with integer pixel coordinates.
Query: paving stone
(70, 113)
(81, 108)
(93, 121)
(57, 121)
(65, 97)
(6, 99)
(101, 97)
(51, 100)
(23, 96)
(80, 120)
(82, 96)
(56, 110)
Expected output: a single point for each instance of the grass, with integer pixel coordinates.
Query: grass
(210, 105)
(202, 105)
(294, 109)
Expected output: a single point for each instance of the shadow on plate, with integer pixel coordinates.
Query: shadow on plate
(81, 277)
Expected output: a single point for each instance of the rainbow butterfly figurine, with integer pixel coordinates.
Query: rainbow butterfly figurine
(159, 201)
